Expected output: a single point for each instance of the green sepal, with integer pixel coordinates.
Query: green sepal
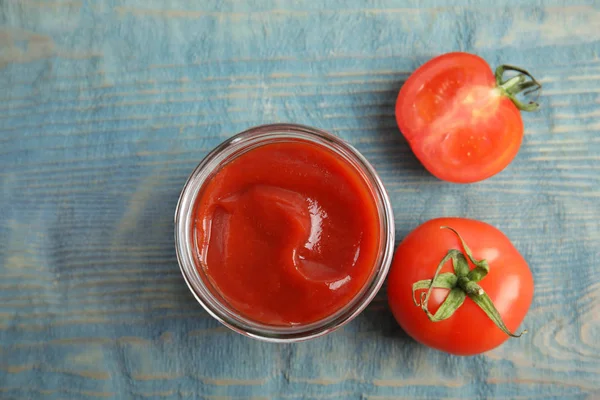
(485, 303)
(517, 84)
(452, 254)
(481, 266)
(453, 301)
(461, 266)
(447, 280)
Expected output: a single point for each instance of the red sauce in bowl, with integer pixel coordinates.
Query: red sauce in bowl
(287, 233)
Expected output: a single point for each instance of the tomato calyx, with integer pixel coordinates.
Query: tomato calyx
(462, 284)
(519, 83)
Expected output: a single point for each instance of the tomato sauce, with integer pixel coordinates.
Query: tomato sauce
(287, 233)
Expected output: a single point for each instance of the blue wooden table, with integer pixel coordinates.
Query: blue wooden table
(107, 106)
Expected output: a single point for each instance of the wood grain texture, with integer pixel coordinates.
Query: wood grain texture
(107, 106)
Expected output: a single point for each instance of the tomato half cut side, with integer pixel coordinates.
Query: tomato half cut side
(462, 120)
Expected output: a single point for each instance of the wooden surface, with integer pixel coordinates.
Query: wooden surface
(106, 108)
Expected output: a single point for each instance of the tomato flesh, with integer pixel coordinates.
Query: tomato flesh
(457, 122)
(509, 284)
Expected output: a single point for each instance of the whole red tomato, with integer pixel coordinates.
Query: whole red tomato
(505, 291)
(461, 120)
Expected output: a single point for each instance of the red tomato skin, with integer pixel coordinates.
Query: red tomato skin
(457, 123)
(469, 331)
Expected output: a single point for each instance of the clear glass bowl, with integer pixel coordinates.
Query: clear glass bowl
(186, 249)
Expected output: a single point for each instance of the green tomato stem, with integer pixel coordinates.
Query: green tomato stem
(524, 83)
(462, 283)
